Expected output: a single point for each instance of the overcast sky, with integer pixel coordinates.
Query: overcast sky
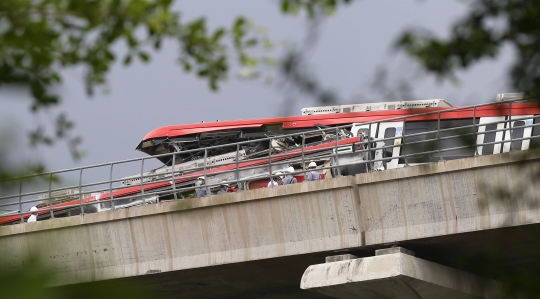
(352, 44)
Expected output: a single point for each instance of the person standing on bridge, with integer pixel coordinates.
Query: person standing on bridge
(225, 188)
(289, 179)
(275, 180)
(33, 217)
(312, 175)
(203, 190)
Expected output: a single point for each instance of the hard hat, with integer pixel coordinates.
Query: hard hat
(201, 178)
(279, 173)
(312, 164)
(290, 169)
(34, 209)
(224, 184)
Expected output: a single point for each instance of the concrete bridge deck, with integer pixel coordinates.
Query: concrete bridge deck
(259, 242)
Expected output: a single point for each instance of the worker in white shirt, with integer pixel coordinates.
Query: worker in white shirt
(289, 179)
(275, 180)
(33, 217)
(312, 175)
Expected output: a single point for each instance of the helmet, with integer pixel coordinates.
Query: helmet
(201, 178)
(278, 174)
(290, 169)
(34, 209)
(312, 164)
(224, 184)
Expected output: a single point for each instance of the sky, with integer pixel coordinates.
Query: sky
(352, 45)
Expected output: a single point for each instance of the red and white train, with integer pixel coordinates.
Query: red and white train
(338, 138)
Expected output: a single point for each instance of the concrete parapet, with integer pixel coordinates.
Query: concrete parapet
(450, 197)
(397, 275)
(216, 230)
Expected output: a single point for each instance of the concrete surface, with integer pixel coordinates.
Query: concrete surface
(397, 275)
(221, 229)
(394, 250)
(433, 209)
(458, 196)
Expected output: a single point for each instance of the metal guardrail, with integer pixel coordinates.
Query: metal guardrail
(177, 183)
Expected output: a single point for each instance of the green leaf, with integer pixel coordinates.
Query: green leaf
(144, 56)
(127, 59)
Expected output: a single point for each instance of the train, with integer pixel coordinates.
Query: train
(341, 139)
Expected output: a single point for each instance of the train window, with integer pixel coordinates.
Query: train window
(535, 141)
(409, 147)
(389, 133)
(462, 138)
(489, 137)
(517, 133)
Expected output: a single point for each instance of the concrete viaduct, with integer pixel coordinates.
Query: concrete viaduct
(273, 243)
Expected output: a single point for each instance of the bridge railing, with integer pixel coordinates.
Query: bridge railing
(76, 194)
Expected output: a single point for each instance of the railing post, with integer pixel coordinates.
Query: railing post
(110, 187)
(337, 156)
(474, 133)
(20, 199)
(80, 191)
(303, 157)
(270, 161)
(237, 162)
(510, 127)
(50, 197)
(369, 163)
(142, 185)
(439, 136)
(403, 142)
(173, 180)
(204, 172)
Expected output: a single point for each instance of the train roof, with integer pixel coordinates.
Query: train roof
(332, 117)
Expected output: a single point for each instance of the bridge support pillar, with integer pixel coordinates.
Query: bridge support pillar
(395, 273)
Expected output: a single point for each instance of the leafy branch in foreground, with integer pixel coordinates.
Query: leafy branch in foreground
(38, 39)
(488, 26)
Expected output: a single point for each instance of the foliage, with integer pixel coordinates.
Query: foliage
(312, 7)
(40, 38)
(488, 26)
(33, 280)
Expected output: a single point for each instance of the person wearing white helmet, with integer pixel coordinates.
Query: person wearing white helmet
(312, 175)
(274, 181)
(289, 179)
(33, 217)
(202, 191)
(224, 188)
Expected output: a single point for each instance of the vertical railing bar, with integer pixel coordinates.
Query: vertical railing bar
(474, 133)
(204, 173)
(403, 142)
(20, 199)
(510, 127)
(439, 136)
(369, 150)
(142, 184)
(50, 197)
(80, 191)
(237, 162)
(303, 157)
(173, 177)
(337, 156)
(270, 161)
(110, 187)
